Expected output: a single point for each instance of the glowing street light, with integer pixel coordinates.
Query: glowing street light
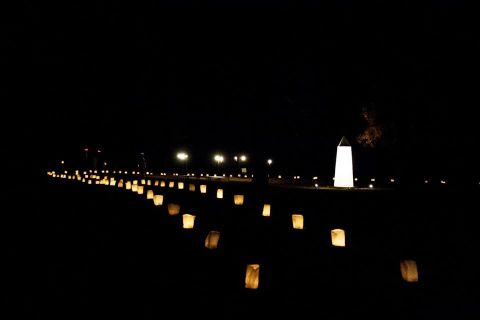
(218, 158)
(269, 162)
(182, 156)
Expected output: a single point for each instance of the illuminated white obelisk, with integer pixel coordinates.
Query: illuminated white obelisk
(344, 165)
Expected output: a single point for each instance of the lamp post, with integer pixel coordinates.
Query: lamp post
(218, 159)
(269, 162)
(240, 159)
(183, 157)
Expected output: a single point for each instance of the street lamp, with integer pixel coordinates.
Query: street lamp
(183, 157)
(269, 161)
(218, 159)
(243, 158)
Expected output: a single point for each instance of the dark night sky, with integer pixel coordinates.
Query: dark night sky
(268, 79)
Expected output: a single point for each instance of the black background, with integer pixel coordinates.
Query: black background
(285, 80)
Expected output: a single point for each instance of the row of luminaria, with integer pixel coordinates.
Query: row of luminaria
(408, 268)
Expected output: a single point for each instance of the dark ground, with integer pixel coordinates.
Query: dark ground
(76, 252)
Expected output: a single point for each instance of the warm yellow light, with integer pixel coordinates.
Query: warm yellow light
(191, 187)
(266, 210)
(89, 181)
(128, 185)
(171, 184)
(252, 276)
(238, 199)
(149, 182)
(135, 182)
(158, 199)
(409, 271)
(162, 184)
(243, 158)
(182, 156)
(134, 187)
(203, 188)
(188, 221)
(156, 183)
(219, 193)
(297, 221)
(211, 241)
(219, 158)
(173, 209)
(181, 185)
(338, 237)
(120, 183)
(150, 194)
(140, 189)
(142, 181)
(83, 180)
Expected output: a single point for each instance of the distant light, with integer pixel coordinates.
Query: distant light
(239, 175)
(148, 172)
(426, 181)
(370, 185)
(193, 174)
(103, 171)
(243, 158)
(356, 179)
(316, 185)
(315, 178)
(86, 149)
(279, 177)
(62, 162)
(269, 161)
(392, 180)
(443, 182)
(230, 176)
(224, 174)
(373, 179)
(201, 174)
(219, 158)
(246, 176)
(235, 158)
(182, 156)
(99, 151)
